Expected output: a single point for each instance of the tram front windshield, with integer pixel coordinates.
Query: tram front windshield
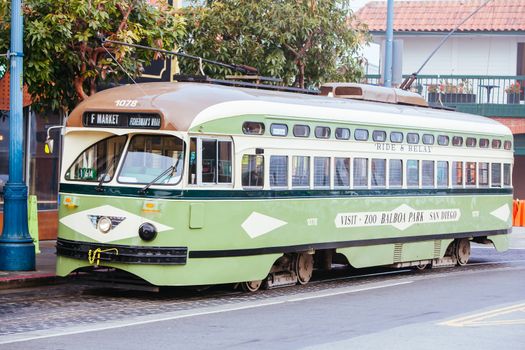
(153, 159)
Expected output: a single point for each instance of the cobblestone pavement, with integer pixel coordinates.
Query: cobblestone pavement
(75, 305)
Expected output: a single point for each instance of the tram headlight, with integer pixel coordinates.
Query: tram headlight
(104, 224)
(147, 232)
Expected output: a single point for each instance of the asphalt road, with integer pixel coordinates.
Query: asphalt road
(479, 306)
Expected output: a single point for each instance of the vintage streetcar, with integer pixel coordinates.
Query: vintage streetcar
(188, 183)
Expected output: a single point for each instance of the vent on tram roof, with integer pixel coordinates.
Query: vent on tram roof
(372, 93)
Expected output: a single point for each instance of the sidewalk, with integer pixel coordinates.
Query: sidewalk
(44, 274)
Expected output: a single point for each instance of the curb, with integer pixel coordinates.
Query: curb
(29, 281)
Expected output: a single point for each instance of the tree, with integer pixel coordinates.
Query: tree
(63, 60)
(305, 42)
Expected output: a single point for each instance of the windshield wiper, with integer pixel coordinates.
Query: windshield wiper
(99, 187)
(164, 173)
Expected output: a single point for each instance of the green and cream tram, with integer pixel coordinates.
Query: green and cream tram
(196, 184)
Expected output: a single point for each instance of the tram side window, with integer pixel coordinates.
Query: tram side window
(496, 174)
(192, 169)
(496, 144)
(471, 142)
(216, 158)
(443, 140)
(378, 172)
(442, 173)
(413, 173)
(395, 173)
(342, 172)
(361, 134)
(278, 171)
(506, 174)
(322, 172)
(412, 137)
(252, 170)
(342, 133)
(427, 173)
(470, 173)
(428, 139)
(379, 136)
(300, 171)
(457, 174)
(483, 173)
(457, 141)
(484, 143)
(396, 136)
(360, 172)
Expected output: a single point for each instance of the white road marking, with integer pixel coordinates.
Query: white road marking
(141, 320)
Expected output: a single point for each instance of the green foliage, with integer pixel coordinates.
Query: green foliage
(304, 42)
(64, 62)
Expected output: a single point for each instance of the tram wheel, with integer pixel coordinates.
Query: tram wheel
(251, 286)
(422, 266)
(304, 267)
(462, 251)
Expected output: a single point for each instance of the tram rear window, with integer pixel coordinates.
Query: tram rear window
(99, 160)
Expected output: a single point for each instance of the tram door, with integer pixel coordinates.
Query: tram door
(211, 161)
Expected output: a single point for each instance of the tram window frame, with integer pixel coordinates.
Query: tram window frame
(428, 139)
(219, 168)
(483, 174)
(252, 170)
(427, 173)
(412, 173)
(496, 143)
(443, 140)
(361, 135)
(360, 172)
(495, 170)
(395, 174)
(341, 179)
(471, 169)
(457, 141)
(484, 143)
(296, 129)
(322, 172)
(322, 132)
(507, 145)
(379, 136)
(342, 133)
(507, 174)
(457, 174)
(471, 142)
(442, 173)
(277, 127)
(413, 138)
(378, 172)
(275, 180)
(396, 139)
(253, 128)
(300, 171)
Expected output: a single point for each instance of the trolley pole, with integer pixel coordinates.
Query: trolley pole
(17, 251)
(387, 74)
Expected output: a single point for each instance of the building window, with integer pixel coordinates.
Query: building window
(361, 134)
(360, 172)
(301, 130)
(428, 139)
(471, 142)
(342, 172)
(412, 137)
(279, 129)
(321, 171)
(506, 174)
(342, 134)
(470, 173)
(442, 173)
(395, 173)
(427, 173)
(252, 170)
(322, 132)
(457, 141)
(496, 174)
(483, 169)
(253, 128)
(413, 173)
(300, 171)
(278, 171)
(379, 136)
(396, 137)
(443, 140)
(378, 172)
(457, 174)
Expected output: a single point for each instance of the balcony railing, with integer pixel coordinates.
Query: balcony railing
(490, 95)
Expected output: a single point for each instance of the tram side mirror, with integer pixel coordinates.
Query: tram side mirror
(48, 147)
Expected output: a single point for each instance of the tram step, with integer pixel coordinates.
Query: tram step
(446, 261)
(281, 279)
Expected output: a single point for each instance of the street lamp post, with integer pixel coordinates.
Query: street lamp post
(17, 251)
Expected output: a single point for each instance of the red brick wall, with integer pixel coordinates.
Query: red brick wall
(47, 224)
(516, 125)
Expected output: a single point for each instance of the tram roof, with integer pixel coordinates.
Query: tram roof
(186, 105)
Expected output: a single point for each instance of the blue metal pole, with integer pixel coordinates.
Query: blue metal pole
(389, 43)
(17, 251)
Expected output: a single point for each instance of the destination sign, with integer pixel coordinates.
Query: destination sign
(122, 120)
